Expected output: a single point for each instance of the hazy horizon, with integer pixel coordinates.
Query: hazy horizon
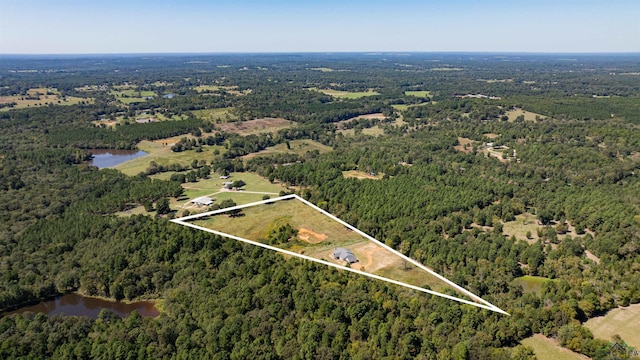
(74, 27)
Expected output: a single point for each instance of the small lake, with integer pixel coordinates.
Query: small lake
(105, 158)
(78, 305)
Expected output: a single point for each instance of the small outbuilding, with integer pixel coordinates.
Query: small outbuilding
(202, 201)
(344, 255)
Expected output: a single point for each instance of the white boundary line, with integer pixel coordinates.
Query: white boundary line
(483, 303)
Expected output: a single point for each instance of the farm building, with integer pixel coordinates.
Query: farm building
(344, 255)
(202, 201)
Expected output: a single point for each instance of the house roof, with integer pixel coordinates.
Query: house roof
(203, 200)
(345, 255)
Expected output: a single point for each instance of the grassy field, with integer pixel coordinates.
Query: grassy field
(548, 349)
(256, 126)
(372, 131)
(214, 115)
(528, 116)
(130, 96)
(317, 236)
(252, 191)
(37, 97)
(299, 147)
(620, 321)
(519, 227)
(420, 93)
(346, 94)
(163, 155)
(532, 283)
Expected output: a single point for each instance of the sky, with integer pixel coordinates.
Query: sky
(202, 26)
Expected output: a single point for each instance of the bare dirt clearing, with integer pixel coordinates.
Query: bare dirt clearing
(311, 236)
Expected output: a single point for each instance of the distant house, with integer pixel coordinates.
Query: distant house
(224, 177)
(344, 255)
(227, 184)
(202, 201)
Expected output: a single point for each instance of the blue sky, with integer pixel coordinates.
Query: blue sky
(142, 26)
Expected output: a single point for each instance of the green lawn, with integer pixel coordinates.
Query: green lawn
(372, 131)
(519, 227)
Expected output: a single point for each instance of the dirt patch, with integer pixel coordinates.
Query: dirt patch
(253, 126)
(311, 236)
(372, 257)
(464, 145)
(491, 136)
(362, 175)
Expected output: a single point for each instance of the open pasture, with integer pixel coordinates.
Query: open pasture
(346, 94)
(548, 349)
(38, 97)
(256, 126)
(299, 147)
(622, 321)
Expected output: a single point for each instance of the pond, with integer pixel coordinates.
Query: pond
(78, 305)
(105, 158)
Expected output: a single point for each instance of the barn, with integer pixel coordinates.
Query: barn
(344, 255)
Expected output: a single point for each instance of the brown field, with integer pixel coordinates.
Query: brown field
(256, 126)
(621, 321)
(528, 116)
(491, 136)
(299, 147)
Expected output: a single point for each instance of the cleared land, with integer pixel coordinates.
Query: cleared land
(130, 96)
(215, 115)
(317, 237)
(256, 126)
(532, 283)
(622, 321)
(162, 155)
(549, 349)
(419, 93)
(361, 175)
(346, 94)
(528, 116)
(299, 147)
(519, 227)
(372, 131)
(41, 97)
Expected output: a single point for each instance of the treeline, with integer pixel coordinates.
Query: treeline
(122, 136)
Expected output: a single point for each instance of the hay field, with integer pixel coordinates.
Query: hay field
(621, 321)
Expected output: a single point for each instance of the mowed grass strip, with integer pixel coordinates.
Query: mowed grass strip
(549, 349)
(622, 321)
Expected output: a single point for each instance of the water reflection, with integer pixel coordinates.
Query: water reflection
(78, 305)
(105, 158)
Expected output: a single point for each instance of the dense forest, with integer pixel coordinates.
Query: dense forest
(456, 170)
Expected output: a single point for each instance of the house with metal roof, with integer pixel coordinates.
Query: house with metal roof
(344, 255)
(202, 201)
